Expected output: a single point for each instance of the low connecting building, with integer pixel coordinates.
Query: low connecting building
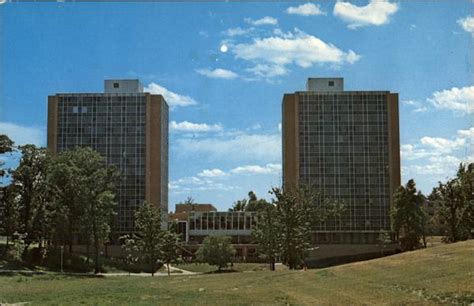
(197, 221)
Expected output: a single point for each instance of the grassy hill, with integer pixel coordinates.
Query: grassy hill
(442, 274)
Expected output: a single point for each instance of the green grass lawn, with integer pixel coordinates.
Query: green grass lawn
(438, 275)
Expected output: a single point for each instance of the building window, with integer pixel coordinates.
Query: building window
(75, 109)
(116, 85)
(331, 83)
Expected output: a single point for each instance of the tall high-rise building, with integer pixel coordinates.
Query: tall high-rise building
(129, 128)
(345, 144)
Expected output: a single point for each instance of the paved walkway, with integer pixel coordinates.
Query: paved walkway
(33, 272)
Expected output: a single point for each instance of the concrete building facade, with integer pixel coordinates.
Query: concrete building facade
(346, 145)
(129, 128)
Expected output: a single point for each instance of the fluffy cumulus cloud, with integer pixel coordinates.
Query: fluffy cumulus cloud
(22, 135)
(299, 48)
(467, 24)
(256, 169)
(218, 73)
(429, 147)
(191, 127)
(173, 99)
(457, 99)
(267, 20)
(376, 13)
(261, 147)
(212, 173)
(307, 9)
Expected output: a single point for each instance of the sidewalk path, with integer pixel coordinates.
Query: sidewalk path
(33, 272)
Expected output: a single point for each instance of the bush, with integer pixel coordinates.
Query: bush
(216, 251)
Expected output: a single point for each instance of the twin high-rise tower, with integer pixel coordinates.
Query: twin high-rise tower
(343, 143)
(126, 126)
(346, 145)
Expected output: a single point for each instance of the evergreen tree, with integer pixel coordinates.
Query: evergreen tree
(408, 219)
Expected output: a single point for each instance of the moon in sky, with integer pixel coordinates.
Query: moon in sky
(224, 48)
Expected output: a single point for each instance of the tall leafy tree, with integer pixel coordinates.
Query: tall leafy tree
(455, 203)
(294, 210)
(284, 228)
(66, 178)
(83, 187)
(216, 251)
(149, 234)
(408, 219)
(169, 248)
(97, 187)
(267, 233)
(31, 193)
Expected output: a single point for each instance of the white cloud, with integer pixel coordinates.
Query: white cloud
(416, 105)
(237, 31)
(267, 71)
(467, 24)
(376, 13)
(279, 127)
(255, 169)
(230, 146)
(457, 99)
(410, 152)
(443, 144)
(438, 165)
(187, 126)
(173, 99)
(306, 9)
(22, 135)
(212, 173)
(299, 48)
(218, 73)
(466, 133)
(267, 20)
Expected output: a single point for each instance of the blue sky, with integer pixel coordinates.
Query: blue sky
(223, 68)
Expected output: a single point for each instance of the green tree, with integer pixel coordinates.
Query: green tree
(267, 234)
(455, 204)
(10, 218)
(67, 180)
(294, 211)
(83, 187)
(31, 193)
(408, 219)
(6, 145)
(169, 248)
(148, 239)
(251, 204)
(216, 251)
(129, 247)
